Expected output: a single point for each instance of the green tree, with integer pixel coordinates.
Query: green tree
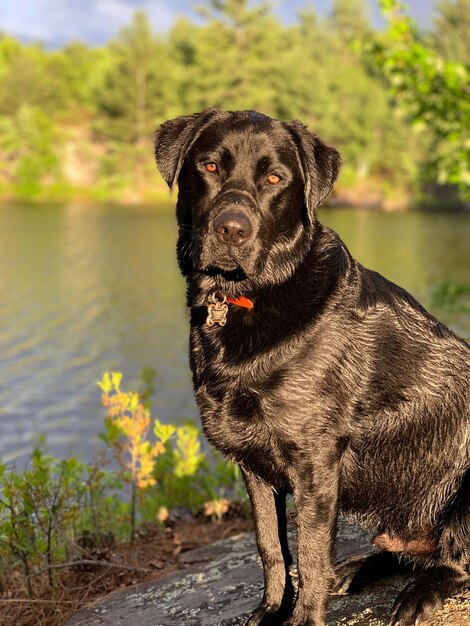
(104, 103)
(451, 30)
(135, 88)
(80, 68)
(433, 93)
(136, 92)
(333, 91)
(28, 138)
(228, 61)
(303, 93)
(29, 79)
(350, 19)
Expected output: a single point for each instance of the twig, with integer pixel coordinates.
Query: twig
(35, 601)
(90, 562)
(88, 586)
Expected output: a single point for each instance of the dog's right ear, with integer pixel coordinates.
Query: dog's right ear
(173, 140)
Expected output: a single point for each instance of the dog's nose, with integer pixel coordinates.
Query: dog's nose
(232, 227)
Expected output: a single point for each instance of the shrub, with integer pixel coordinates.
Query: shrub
(55, 510)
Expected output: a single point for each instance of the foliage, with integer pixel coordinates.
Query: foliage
(432, 92)
(217, 508)
(56, 510)
(45, 508)
(35, 509)
(350, 19)
(82, 119)
(452, 25)
(452, 297)
(173, 465)
(28, 137)
(186, 477)
(127, 426)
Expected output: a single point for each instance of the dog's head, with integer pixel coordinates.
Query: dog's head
(249, 186)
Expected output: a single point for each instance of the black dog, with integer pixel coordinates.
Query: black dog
(320, 378)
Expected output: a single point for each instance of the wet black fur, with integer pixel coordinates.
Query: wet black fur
(337, 387)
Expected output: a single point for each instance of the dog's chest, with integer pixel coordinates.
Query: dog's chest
(236, 422)
(251, 409)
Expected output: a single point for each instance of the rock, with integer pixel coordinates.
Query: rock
(223, 583)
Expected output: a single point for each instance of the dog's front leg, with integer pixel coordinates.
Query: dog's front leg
(269, 510)
(315, 491)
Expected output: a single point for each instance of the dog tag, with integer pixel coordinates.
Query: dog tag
(216, 311)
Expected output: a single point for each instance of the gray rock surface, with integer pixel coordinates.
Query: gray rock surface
(223, 583)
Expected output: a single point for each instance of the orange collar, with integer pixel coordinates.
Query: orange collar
(241, 301)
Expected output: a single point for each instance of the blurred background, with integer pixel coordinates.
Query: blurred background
(88, 277)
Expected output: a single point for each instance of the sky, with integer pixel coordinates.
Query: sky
(56, 22)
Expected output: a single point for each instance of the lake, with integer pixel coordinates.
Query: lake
(86, 290)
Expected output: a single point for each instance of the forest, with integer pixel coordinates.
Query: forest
(77, 123)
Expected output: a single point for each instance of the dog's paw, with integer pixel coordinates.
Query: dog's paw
(345, 573)
(357, 572)
(303, 621)
(305, 615)
(267, 615)
(416, 604)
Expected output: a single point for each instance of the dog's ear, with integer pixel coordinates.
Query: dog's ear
(173, 140)
(320, 165)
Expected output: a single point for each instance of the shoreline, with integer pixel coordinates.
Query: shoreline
(162, 200)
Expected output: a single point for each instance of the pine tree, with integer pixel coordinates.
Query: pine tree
(230, 60)
(135, 94)
(136, 87)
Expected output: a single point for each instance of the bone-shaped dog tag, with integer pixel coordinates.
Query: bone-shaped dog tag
(216, 311)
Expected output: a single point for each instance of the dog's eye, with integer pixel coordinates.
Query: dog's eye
(211, 167)
(274, 179)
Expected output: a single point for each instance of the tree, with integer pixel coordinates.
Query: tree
(28, 137)
(105, 103)
(135, 94)
(123, 91)
(432, 92)
(234, 13)
(303, 93)
(80, 67)
(28, 79)
(333, 91)
(451, 30)
(230, 60)
(350, 19)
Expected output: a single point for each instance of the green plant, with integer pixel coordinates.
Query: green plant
(168, 472)
(40, 509)
(217, 508)
(56, 513)
(452, 297)
(187, 478)
(148, 376)
(128, 423)
(180, 473)
(434, 93)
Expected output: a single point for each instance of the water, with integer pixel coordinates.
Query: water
(84, 290)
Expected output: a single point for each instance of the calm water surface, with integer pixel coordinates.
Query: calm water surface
(87, 290)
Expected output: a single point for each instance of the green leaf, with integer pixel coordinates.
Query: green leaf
(163, 431)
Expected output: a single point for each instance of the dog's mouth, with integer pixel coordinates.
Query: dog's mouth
(230, 272)
(230, 279)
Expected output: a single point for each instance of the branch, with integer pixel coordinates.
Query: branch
(108, 564)
(34, 601)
